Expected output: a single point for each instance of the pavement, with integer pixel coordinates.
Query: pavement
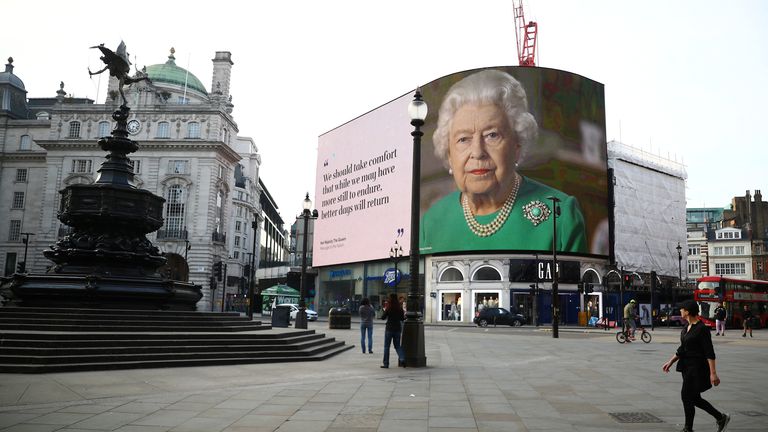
(476, 379)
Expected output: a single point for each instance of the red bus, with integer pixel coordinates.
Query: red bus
(735, 294)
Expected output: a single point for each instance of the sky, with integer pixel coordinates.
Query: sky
(684, 79)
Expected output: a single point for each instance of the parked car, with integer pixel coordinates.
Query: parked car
(311, 315)
(498, 316)
(673, 319)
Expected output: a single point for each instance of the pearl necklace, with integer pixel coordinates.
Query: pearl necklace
(487, 230)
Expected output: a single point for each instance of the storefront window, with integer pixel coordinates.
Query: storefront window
(450, 306)
(486, 299)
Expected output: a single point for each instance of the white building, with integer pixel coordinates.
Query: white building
(189, 154)
(730, 253)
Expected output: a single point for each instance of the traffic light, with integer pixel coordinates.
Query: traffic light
(217, 270)
(627, 281)
(21, 267)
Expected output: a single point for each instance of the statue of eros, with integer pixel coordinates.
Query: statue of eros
(119, 66)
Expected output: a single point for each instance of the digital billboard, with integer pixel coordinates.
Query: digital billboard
(500, 145)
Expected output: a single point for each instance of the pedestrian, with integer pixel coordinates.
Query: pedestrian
(720, 315)
(697, 363)
(394, 315)
(746, 321)
(366, 324)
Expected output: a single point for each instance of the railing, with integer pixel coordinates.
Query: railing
(218, 237)
(172, 234)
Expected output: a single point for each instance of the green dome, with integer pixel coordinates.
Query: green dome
(171, 74)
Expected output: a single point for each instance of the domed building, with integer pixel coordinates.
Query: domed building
(189, 153)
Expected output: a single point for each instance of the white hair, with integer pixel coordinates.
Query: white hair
(481, 88)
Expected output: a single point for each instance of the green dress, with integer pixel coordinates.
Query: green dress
(528, 227)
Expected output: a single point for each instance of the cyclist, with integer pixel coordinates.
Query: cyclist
(629, 319)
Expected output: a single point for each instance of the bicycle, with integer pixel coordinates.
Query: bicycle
(623, 336)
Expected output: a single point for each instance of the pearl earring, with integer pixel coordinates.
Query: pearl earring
(450, 171)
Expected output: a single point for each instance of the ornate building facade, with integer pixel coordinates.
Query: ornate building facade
(190, 154)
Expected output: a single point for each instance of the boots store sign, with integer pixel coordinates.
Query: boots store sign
(542, 271)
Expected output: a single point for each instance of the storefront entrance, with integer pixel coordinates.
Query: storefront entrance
(450, 306)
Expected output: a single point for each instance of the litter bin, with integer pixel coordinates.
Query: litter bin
(339, 318)
(281, 316)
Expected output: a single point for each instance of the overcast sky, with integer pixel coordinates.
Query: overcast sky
(683, 79)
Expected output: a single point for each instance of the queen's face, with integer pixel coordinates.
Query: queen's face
(482, 151)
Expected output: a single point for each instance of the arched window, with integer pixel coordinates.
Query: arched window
(219, 213)
(104, 129)
(74, 129)
(163, 130)
(174, 211)
(487, 273)
(25, 142)
(451, 274)
(193, 130)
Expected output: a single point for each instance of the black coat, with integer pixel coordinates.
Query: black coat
(394, 319)
(694, 351)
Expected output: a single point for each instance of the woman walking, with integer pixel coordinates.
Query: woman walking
(696, 357)
(394, 315)
(366, 324)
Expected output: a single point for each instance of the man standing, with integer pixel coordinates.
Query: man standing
(720, 315)
(629, 318)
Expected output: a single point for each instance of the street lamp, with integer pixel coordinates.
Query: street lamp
(251, 284)
(555, 295)
(187, 247)
(679, 270)
(25, 240)
(413, 328)
(301, 315)
(396, 253)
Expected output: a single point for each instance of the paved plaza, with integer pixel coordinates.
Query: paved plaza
(495, 379)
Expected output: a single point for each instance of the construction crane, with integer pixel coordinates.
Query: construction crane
(525, 34)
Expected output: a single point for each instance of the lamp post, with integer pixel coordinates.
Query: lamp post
(187, 247)
(413, 328)
(251, 285)
(25, 240)
(555, 295)
(301, 315)
(679, 271)
(396, 253)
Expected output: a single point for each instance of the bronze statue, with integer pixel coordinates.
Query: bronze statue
(119, 67)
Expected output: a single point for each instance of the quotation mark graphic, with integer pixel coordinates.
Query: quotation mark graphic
(400, 232)
(325, 164)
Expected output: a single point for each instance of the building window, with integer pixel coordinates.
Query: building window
(74, 129)
(193, 130)
(135, 165)
(694, 266)
(236, 255)
(10, 263)
(81, 166)
(18, 200)
(730, 269)
(694, 250)
(177, 167)
(181, 100)
(174, 211)
(487, 274)
(728, 250)
(759, 267)
(240, 211)
(451, 275)
(219, 227)
(104, 128)
(238, 226)
(237, 241)
(739, 250)
(21, 175)
(163, 130)
(14, 233)
(718, 250)
(24, 143)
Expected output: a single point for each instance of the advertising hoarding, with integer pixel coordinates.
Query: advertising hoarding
(489, 188)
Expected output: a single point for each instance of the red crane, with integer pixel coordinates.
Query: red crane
(525, 34)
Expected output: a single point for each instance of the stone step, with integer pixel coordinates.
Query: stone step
(133, 326)
(203, 361)
(31, 341)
